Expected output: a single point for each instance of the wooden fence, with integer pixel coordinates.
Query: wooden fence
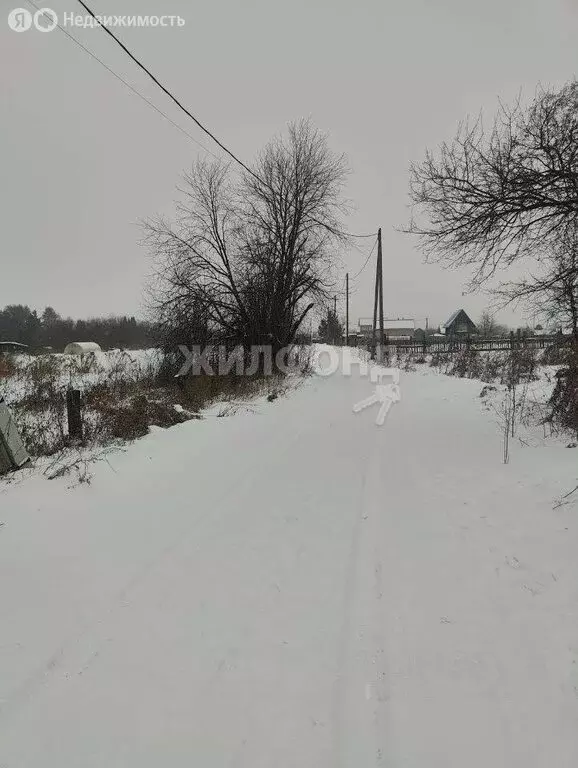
(452, 345)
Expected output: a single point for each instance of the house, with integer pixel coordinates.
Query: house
(400, 329)
(365, 328)
(81, 348)
(458, 324)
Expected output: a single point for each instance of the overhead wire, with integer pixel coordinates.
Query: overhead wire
(190, 114)
(357, 274)
(168, 92)
(128, 85)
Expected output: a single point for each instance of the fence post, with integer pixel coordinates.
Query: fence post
(73, 408)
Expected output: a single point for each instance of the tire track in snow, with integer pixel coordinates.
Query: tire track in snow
(360, 691)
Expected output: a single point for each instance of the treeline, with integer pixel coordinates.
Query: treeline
(21, 324)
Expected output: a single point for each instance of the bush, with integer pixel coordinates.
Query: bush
(467, 364)
(131, 420)
(122, 396)
(564, 401)
(7, 365)
(493, 368)
(557, 354)
(521, 366)
(441, 361)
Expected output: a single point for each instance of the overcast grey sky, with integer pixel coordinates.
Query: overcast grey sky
(83, 158)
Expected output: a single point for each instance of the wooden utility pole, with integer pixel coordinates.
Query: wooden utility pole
(378, 301)
(347, 309)
(335, 306)
(374, 328)
(380, 261)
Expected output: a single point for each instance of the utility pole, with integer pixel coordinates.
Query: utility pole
(374, 328)
(334, 323)
(347, 309)
(380, 261)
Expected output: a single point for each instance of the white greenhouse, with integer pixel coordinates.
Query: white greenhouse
(82, 348)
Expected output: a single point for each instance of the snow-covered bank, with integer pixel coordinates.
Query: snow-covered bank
(297, 587)
(123, 395)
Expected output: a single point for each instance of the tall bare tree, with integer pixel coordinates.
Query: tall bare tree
(489, 197)
(247, 256)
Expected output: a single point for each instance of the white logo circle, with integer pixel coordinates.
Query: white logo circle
(45, 20)
(19, 20)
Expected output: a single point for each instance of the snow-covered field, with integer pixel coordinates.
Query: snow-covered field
(294, 586)
(76, 371)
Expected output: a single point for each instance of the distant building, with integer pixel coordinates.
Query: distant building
(401, 328)
(458, 324)
(394, 329)
(365, 328)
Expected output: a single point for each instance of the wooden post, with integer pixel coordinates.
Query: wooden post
(73, 408)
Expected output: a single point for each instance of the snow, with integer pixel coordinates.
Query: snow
(294, 586)
(77, 371)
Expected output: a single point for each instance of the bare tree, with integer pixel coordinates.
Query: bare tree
(551, 290)
(246, 257)
(488, 327)
(489, 197)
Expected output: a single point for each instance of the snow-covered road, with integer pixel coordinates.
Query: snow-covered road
(297, 588)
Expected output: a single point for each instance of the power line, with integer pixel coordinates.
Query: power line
(189, 114)
(356, 275)
(128, 85)
(169, 94)
(341, 293)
